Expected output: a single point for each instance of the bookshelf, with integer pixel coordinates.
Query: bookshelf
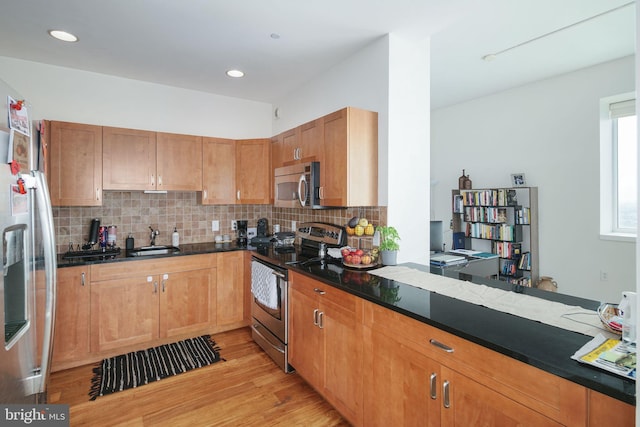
(503, 221)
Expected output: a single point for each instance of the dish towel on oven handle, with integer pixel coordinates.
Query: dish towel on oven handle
(264, 285)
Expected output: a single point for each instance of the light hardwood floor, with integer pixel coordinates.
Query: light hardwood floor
(247, 389)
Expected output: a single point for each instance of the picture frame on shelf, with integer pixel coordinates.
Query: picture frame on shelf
(518, 180)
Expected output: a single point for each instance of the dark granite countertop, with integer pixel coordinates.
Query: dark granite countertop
(188, 249)
(546, 347)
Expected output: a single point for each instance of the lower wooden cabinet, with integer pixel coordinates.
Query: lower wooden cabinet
(71, 333)
(400, 385)
(230, 290)
(112, 308)
(138, 302)
(325, 338)
(70, 345)
(124, 312)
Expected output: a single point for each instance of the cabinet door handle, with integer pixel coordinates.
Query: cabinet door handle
(97, 194)
(164, 285)
(319, 291)
(159, 180)
(153, 179)
(315, 317)
(445, 395)
(82, 279)
(441, 346)
(433, 387)
(321, 319)
(155, 287)
(204, 194)
(238, 195)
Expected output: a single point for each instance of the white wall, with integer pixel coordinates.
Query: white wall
(390, 76)
(548, 130)
(65, 94)
(360, 81)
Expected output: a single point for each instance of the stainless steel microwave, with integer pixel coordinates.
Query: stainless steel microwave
(298, 186)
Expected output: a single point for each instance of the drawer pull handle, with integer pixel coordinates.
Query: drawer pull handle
(321, 320)
(315, 317)
(433, 386)
(319, 291)
(441, 346)
(445, 395)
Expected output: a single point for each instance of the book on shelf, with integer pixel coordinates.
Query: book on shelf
(524, 263)
(458, 240)
(503, 232)
(508, 249)
(523, 216)
(508, 268)
(521, 281)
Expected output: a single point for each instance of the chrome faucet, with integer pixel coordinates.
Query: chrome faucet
(152, 236)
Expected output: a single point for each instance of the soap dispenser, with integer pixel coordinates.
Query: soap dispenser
(175, 237)
(627, 309)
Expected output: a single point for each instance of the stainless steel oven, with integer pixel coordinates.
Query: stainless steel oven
(269, 303)
(269, 282)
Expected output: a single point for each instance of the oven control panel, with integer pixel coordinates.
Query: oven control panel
(322, 232)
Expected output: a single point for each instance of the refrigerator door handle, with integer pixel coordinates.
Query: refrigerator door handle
(45, 214)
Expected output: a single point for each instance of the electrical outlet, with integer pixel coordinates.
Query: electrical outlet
(234, 225)
(294, 225)
(215, 225)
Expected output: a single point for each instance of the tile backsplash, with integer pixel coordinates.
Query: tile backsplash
(134, 212)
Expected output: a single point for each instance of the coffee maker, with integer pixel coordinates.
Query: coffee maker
(263, 227)
(242, 232)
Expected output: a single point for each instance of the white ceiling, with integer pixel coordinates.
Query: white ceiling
(190, 44)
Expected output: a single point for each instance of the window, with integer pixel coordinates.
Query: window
(618, 168)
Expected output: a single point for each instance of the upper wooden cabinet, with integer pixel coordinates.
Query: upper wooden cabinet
(218, 171)
(179, 162)
(129, 159)
(349, 166)
(75, 164)
(143, 160)
(236, 172)
(253, 171)
(301, 144)
(311, 136)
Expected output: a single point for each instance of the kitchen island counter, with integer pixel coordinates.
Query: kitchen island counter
(540, 345)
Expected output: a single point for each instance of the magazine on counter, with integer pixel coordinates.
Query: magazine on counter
(612, 355)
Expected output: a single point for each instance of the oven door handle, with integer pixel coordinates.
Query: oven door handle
(278, 274)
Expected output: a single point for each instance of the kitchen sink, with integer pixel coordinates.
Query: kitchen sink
(152, 250)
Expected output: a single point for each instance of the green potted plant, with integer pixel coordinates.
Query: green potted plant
(388, 244)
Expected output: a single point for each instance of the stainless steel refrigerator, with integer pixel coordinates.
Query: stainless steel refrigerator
(27, 253)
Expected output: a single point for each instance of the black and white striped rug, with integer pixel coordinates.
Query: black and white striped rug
(142, 367)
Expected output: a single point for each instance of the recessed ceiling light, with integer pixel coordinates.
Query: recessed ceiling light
(63, 35)
(235, 73)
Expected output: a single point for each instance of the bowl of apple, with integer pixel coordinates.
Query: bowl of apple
(358, 258)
